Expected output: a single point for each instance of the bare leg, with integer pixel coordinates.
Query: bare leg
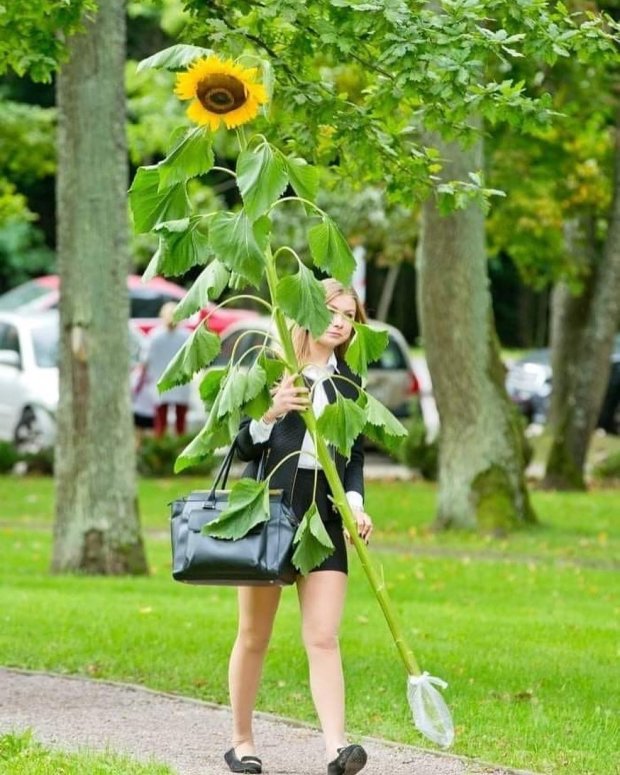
(257, 610)
(321, 598)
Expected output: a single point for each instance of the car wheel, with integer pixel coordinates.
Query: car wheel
(29, 433)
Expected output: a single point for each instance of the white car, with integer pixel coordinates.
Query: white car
(29, 378)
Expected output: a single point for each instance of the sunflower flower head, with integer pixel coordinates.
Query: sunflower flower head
(221, 91)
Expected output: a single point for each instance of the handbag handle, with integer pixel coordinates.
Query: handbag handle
(222, 474)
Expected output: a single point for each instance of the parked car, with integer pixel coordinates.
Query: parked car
(145, 299)
(29, 377)
(529, 385)
(391, 379)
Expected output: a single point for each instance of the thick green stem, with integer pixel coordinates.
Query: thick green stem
(338, 492)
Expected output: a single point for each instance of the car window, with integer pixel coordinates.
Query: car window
(45, 345)
(391, 358)
(9, 338)
(23, 294)
(144, 303)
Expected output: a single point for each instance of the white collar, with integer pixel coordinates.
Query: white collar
(330, 367)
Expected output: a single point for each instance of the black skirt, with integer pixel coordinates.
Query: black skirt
(303, 487)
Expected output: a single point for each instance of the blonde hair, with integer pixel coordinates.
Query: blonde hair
(301, 336)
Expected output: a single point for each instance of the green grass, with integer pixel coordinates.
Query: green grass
(524, 630)
(20, 754)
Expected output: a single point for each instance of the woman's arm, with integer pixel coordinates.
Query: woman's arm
(247, 448)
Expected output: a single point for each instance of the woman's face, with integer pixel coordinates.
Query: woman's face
(338, 332)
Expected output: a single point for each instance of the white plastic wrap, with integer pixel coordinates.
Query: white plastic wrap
(430, 713)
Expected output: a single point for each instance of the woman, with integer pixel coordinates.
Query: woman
(322, 592)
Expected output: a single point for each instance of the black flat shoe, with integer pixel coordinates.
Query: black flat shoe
(349, 761)
(248, 764)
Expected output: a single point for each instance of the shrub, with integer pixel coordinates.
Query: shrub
(156, 456)
(609, 468)
(417, 452)
(8, 457)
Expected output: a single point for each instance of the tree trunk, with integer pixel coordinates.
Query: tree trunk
(97, 527)
(481, 459)
(387, 292)
(583, 331)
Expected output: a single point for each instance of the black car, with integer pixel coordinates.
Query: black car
(529, 385)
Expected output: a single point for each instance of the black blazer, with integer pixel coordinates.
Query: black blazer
(287, 436)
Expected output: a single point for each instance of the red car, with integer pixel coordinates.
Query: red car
(146, 299)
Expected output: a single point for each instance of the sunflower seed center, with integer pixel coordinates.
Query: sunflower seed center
(221, 93)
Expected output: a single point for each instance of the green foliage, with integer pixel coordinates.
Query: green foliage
(151, 207)
(23, 253)
(380, 424)
(182, 245)
(209, 285)
(312, 542)
(240, 387)
(156, 456)
(366, 346)
(33, 35)
(331, 251)
(341, 423)
(302, 297)
(23, 755)
(416, 451)
(197, 352)
(240, 244)
(361, 84)
(176, 57)
(261, 178)
(609, 468)
(248, 506)
(8, 457)
(191, 156)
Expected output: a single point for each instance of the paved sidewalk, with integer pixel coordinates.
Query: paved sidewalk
(189, 735)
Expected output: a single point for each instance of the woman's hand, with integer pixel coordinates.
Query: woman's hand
(364, 525)
(287, 398)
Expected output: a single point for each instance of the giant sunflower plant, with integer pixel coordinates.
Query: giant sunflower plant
(235, 249)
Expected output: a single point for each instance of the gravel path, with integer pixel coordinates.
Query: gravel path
(191, 736)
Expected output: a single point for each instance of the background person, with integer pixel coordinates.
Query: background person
(163, 344)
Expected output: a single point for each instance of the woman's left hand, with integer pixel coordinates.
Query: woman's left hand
(364, 525)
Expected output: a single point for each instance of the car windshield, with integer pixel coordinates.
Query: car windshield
(24, 294)
(45, 345)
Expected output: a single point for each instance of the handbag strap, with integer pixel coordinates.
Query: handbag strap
(223, 473)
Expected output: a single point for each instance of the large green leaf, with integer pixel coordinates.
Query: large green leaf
(261, 177)
(192, 156)
(241, 386)
(365, 347)
(302, 297)
(209, 285)
(331, 251)
(248, 506)
(274, 367)
(211, 382)
(341, 423)
(182, 246)
(304, 178)
(381, 425)
(214, 435)
(197, 352)
(174, 57)
(313, 542)
(151, 206)
(240, 244)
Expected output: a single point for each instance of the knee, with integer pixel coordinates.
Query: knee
(320, 640)
(252, 640)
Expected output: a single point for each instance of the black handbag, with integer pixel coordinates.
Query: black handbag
(261, 558)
